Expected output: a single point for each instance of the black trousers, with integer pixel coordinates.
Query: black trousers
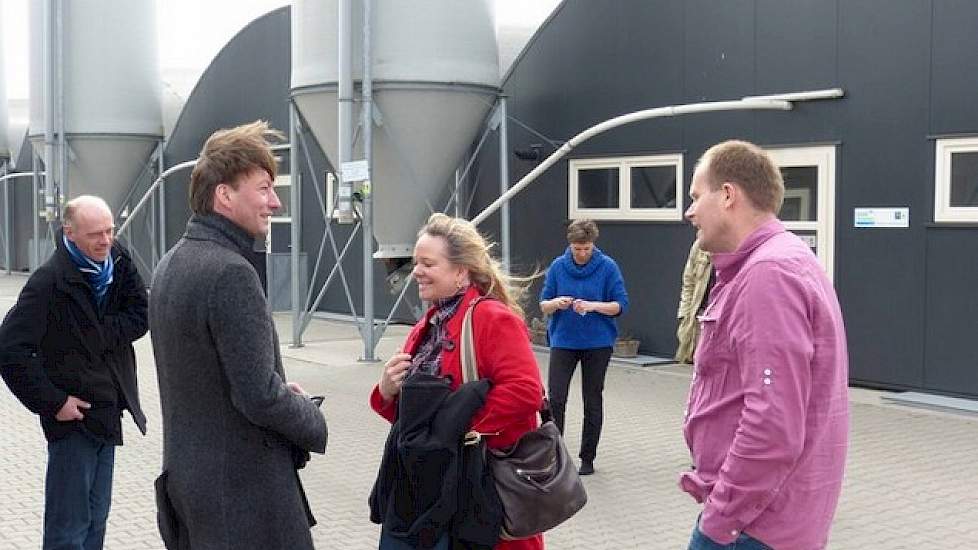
(594, 367)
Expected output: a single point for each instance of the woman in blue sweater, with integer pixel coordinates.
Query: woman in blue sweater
(584, 292)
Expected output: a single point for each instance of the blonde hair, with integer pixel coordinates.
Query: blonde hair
(469, 249)
(748, 166)
(229, 154)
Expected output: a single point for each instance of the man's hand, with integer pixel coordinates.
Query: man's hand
(72, 409)
(395, 370)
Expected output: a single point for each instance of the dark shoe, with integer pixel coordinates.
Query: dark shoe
(586, 469)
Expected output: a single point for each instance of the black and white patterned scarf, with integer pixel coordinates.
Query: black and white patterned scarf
(427, 358)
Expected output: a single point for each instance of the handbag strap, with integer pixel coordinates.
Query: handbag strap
(470, 369)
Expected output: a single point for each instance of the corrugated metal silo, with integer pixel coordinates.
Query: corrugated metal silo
(4, 125)
(111, 88)
(435, 75)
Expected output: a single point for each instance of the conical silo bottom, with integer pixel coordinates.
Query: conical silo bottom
(423, 133)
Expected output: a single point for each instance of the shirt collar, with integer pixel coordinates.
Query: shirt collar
(728, 264)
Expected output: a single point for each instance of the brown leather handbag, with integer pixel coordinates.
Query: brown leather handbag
(536, 480)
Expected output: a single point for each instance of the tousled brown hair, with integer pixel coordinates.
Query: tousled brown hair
(228, 155)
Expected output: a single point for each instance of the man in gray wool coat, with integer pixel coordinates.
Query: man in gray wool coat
(234, 430)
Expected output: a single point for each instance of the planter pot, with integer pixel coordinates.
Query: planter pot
(625, 347)
(538, 337)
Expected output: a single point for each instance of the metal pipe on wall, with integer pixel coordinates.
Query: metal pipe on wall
(369, 334)
(160, 168)
(295, 212)
(49, 103)
(504, 183)
(61, 116)
(35, 192)
(6, 217)
(646, 114)
(344, 89)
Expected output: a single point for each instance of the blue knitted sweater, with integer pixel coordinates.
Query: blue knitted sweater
(599, 280)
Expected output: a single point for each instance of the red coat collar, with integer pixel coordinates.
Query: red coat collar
(453, 327)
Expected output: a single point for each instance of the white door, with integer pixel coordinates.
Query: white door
(809, 197)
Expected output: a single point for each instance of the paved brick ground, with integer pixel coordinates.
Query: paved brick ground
(911, 476)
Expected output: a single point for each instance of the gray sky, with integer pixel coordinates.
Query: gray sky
(192, 32)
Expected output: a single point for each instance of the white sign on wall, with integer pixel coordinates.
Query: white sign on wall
(355, 170)
(882, 217)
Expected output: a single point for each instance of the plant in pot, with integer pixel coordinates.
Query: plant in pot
(538, 331)
(626, 346)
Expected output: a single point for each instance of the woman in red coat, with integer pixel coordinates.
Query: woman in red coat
(452, 268)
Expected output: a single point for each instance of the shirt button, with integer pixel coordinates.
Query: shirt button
(767, 372)
(685, 412)
(734, 532)
(767, 381)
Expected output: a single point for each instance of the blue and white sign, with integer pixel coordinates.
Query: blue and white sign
(882, 217)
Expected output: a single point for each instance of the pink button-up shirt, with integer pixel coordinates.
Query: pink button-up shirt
(768, 413)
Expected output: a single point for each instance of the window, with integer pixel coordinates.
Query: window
(644, 188)
(283, 188)
(956, 180)
(809, 197)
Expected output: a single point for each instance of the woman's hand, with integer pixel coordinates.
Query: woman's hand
(552, 305)
(583, 306)
(395, 370)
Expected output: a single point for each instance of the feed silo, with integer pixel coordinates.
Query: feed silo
(4, 125)
(434, 78)
(98, 79)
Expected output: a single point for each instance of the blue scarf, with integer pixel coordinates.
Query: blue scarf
(99, 275)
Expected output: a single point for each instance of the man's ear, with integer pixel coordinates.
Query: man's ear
(731, 194)
(222, 194)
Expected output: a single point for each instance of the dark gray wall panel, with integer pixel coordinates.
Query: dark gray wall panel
(797, 50)
(954, 87)
(883, 64)
(952, 308)
(677, 52)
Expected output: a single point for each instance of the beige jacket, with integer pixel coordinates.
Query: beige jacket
(696, 279)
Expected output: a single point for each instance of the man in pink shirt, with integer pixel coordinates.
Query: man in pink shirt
(768, 413)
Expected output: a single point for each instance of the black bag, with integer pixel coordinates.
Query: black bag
(536, 480)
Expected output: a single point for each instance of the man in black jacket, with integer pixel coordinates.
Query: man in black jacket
(66, 353)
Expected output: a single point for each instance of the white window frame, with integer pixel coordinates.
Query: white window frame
(625, 211)
(822, 157)
(282, 180)
(943, 211)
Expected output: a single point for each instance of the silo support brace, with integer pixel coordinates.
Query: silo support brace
(7, 225)
(307, 309)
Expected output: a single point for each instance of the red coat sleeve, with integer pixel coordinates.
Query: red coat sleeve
(505, 358)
